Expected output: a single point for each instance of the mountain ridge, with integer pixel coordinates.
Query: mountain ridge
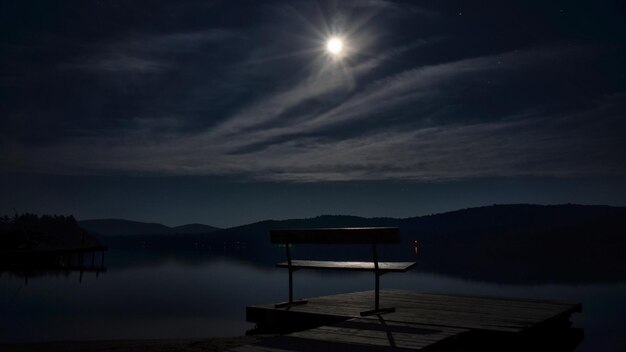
(461, 217)
(123, 227)
(519, 242)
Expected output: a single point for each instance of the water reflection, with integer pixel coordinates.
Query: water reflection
(27, 265)
(179, 295)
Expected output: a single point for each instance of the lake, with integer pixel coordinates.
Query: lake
(146, 295)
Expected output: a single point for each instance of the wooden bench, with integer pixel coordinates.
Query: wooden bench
(342, 236)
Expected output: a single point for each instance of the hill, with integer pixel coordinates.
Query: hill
(514, 243)
(505, 243)
(193, 229)
(120, 227)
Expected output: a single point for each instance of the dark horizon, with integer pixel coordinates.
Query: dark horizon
(222, 203)
(321, 216)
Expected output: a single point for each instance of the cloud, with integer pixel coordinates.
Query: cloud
(264, 114)
(395, 6)
(120, 63)
(177, 42)
(529, 144)
(146, 53)
(431, 85)
(534, 144)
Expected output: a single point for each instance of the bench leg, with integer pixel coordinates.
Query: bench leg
(291, 302)
(377, 309)
(377, 290)
(290, 285)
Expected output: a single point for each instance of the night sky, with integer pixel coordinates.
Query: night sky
(228, 112)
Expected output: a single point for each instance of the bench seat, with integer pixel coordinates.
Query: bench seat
(398, 267)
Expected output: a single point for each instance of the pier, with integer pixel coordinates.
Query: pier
(32, 263)
(421, 321)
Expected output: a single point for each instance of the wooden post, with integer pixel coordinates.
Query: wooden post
(377, 278)
(290, 268)
(377, 274)
(290, 272)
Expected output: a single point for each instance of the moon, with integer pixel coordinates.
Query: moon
(334, 46)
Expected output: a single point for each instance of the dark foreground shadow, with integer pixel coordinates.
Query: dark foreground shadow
(559, 341)
(377, 335)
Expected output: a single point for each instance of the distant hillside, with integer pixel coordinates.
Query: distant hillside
(193, 229)
(510, 216)
(119, 227)
(259, 231)
(524, 242)
(506, 243)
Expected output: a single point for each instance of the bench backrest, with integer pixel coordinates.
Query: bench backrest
(343, 235)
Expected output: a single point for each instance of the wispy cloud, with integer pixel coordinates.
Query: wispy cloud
(538, 145)
(271, 105)
(121, 63)
(145, 53)
(428, 85)
(262, 141)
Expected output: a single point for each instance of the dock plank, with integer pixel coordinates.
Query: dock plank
(451, 303)
(507, 315)
(382, 333)
(420, 321)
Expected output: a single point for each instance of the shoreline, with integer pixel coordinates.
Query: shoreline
(152, 345)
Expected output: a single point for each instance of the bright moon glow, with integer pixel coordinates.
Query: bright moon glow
(334, 46)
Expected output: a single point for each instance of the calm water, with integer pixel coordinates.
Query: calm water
(170, 298)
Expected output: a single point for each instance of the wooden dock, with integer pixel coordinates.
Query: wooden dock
(33, 263)
(422, 321)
